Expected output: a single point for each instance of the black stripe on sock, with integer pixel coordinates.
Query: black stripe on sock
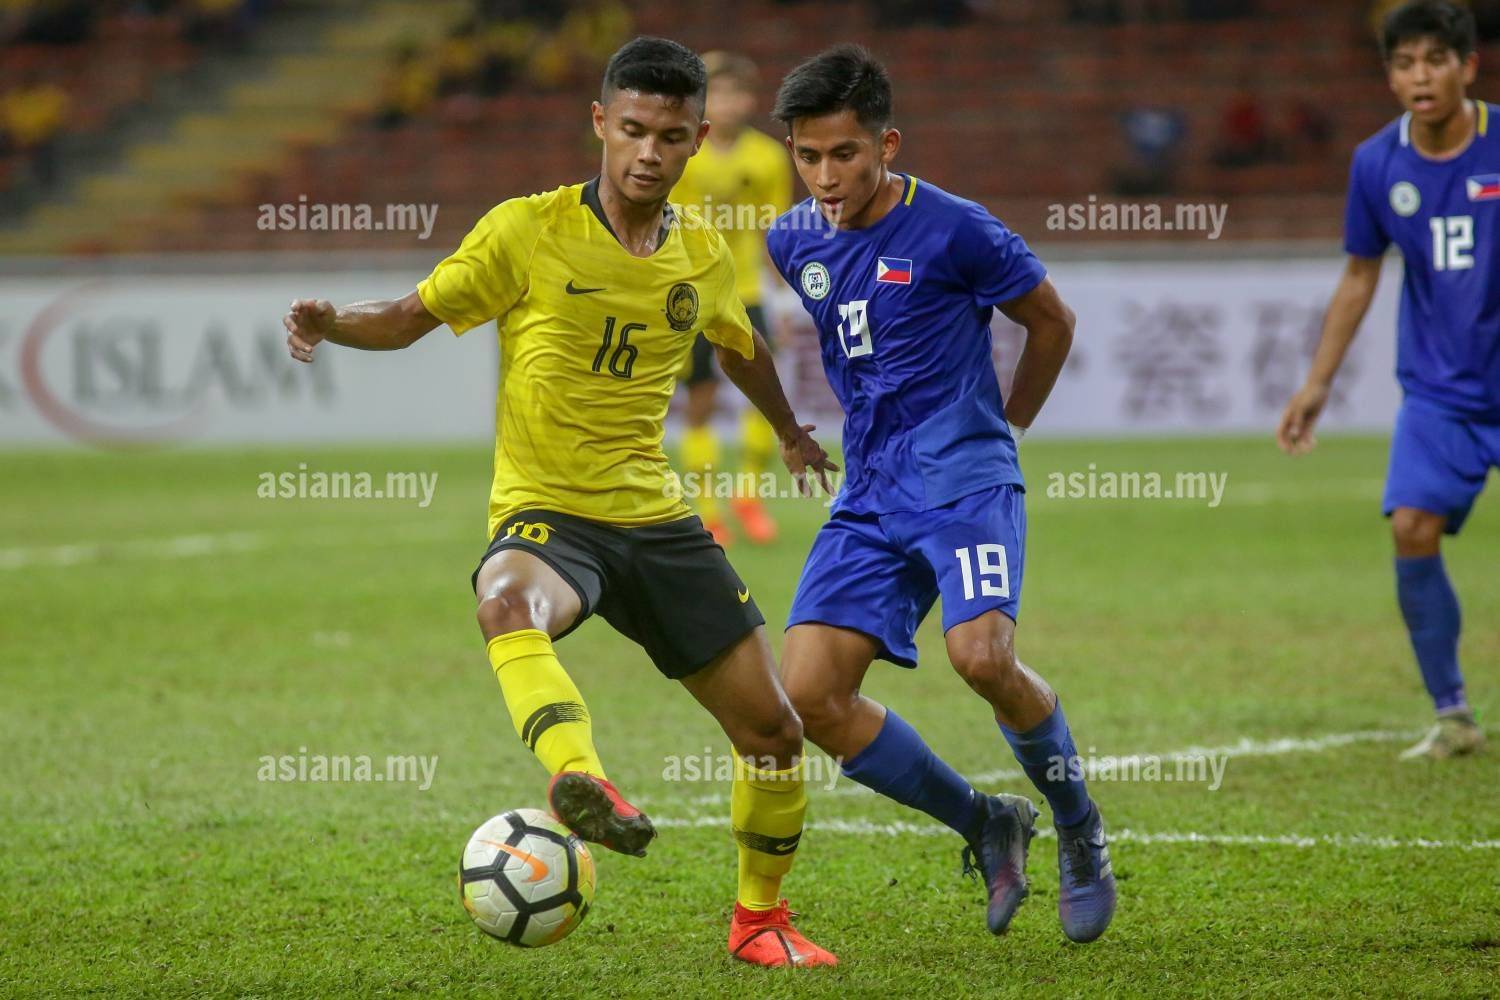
(547, 716)
(778, 846)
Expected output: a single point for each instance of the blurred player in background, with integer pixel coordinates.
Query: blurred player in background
(1430, 183)
(902, 293)
(599, 292)
(739, 179)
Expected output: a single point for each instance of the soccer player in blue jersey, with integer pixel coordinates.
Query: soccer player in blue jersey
(1430, 183)
(901, 279)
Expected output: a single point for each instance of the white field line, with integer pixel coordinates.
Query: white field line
(864, 828)
(177, 547)
(1129, 763)
(193, 546)
(1255, 494)
(1246, 747)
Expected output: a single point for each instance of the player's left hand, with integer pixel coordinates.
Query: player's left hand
(800, 452)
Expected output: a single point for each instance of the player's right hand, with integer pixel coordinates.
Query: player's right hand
(307, 323)
(800, 452)
(1295, 432)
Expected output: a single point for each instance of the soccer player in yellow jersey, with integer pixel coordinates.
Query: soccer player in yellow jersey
(741, 181)
(598, 291)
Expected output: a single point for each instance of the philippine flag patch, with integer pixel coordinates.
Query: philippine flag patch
(897, 270)
(1485, 187)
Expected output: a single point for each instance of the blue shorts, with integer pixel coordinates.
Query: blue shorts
(879, 573)
(1439, 461)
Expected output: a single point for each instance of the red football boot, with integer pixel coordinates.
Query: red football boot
(593, 809)
(722, 536)
(767, 937)
(759, 527)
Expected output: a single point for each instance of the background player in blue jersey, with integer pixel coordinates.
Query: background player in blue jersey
(901, 280)
(1430, 183)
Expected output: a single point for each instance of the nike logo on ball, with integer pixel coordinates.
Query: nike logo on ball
(537, 865)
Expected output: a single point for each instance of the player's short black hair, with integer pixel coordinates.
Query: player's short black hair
(1450, 24)
(656, 66)
(845, 77)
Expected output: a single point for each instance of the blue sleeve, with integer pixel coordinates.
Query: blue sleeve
(1364, 236)
(776, 250)
(994, 262)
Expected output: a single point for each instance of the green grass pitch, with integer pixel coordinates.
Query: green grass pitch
(163, 629)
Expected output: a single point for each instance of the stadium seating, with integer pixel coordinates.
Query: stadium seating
(1020, 109)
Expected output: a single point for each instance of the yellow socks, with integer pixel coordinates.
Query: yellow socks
(766, 810)
(758, 441)
(700, 457)
(548, 712)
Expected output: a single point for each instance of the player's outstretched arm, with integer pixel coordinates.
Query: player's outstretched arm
(1345, 312)
(758, 380)
(377, 325)
(1049, 336)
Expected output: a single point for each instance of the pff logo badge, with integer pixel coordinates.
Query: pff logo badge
(815, 281)
(1404, 198)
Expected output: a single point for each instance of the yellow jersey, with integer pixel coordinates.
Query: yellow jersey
(740, 191)
(591, 340)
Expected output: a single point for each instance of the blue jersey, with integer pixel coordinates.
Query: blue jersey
(1445, 217)
(903, 312)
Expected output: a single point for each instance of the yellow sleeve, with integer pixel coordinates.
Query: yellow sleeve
(728, 325)
(488, 273)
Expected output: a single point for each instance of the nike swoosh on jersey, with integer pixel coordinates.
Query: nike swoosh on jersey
(573, 289)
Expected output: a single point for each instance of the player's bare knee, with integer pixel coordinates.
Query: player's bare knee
(1416, 532)
(507, 609)
(987, 665)
(822, 712)
(775, 738)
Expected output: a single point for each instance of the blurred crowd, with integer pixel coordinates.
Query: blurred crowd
(49, 48)
(76, 22)
(33, 112)
(1251, 130)
(1122, 11)
(504, 44)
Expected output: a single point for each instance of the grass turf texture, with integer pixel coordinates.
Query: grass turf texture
(142, 855)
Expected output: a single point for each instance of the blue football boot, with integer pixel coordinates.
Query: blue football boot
(997, 850)
(1086, 898)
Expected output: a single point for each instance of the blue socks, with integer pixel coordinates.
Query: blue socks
(1430, 608)
(1050, 760)
(898, 765)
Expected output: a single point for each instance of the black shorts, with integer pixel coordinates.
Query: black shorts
(668, 587)
(703, 368)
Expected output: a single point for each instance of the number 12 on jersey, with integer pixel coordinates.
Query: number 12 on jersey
(1452, 239)
(994, 575)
